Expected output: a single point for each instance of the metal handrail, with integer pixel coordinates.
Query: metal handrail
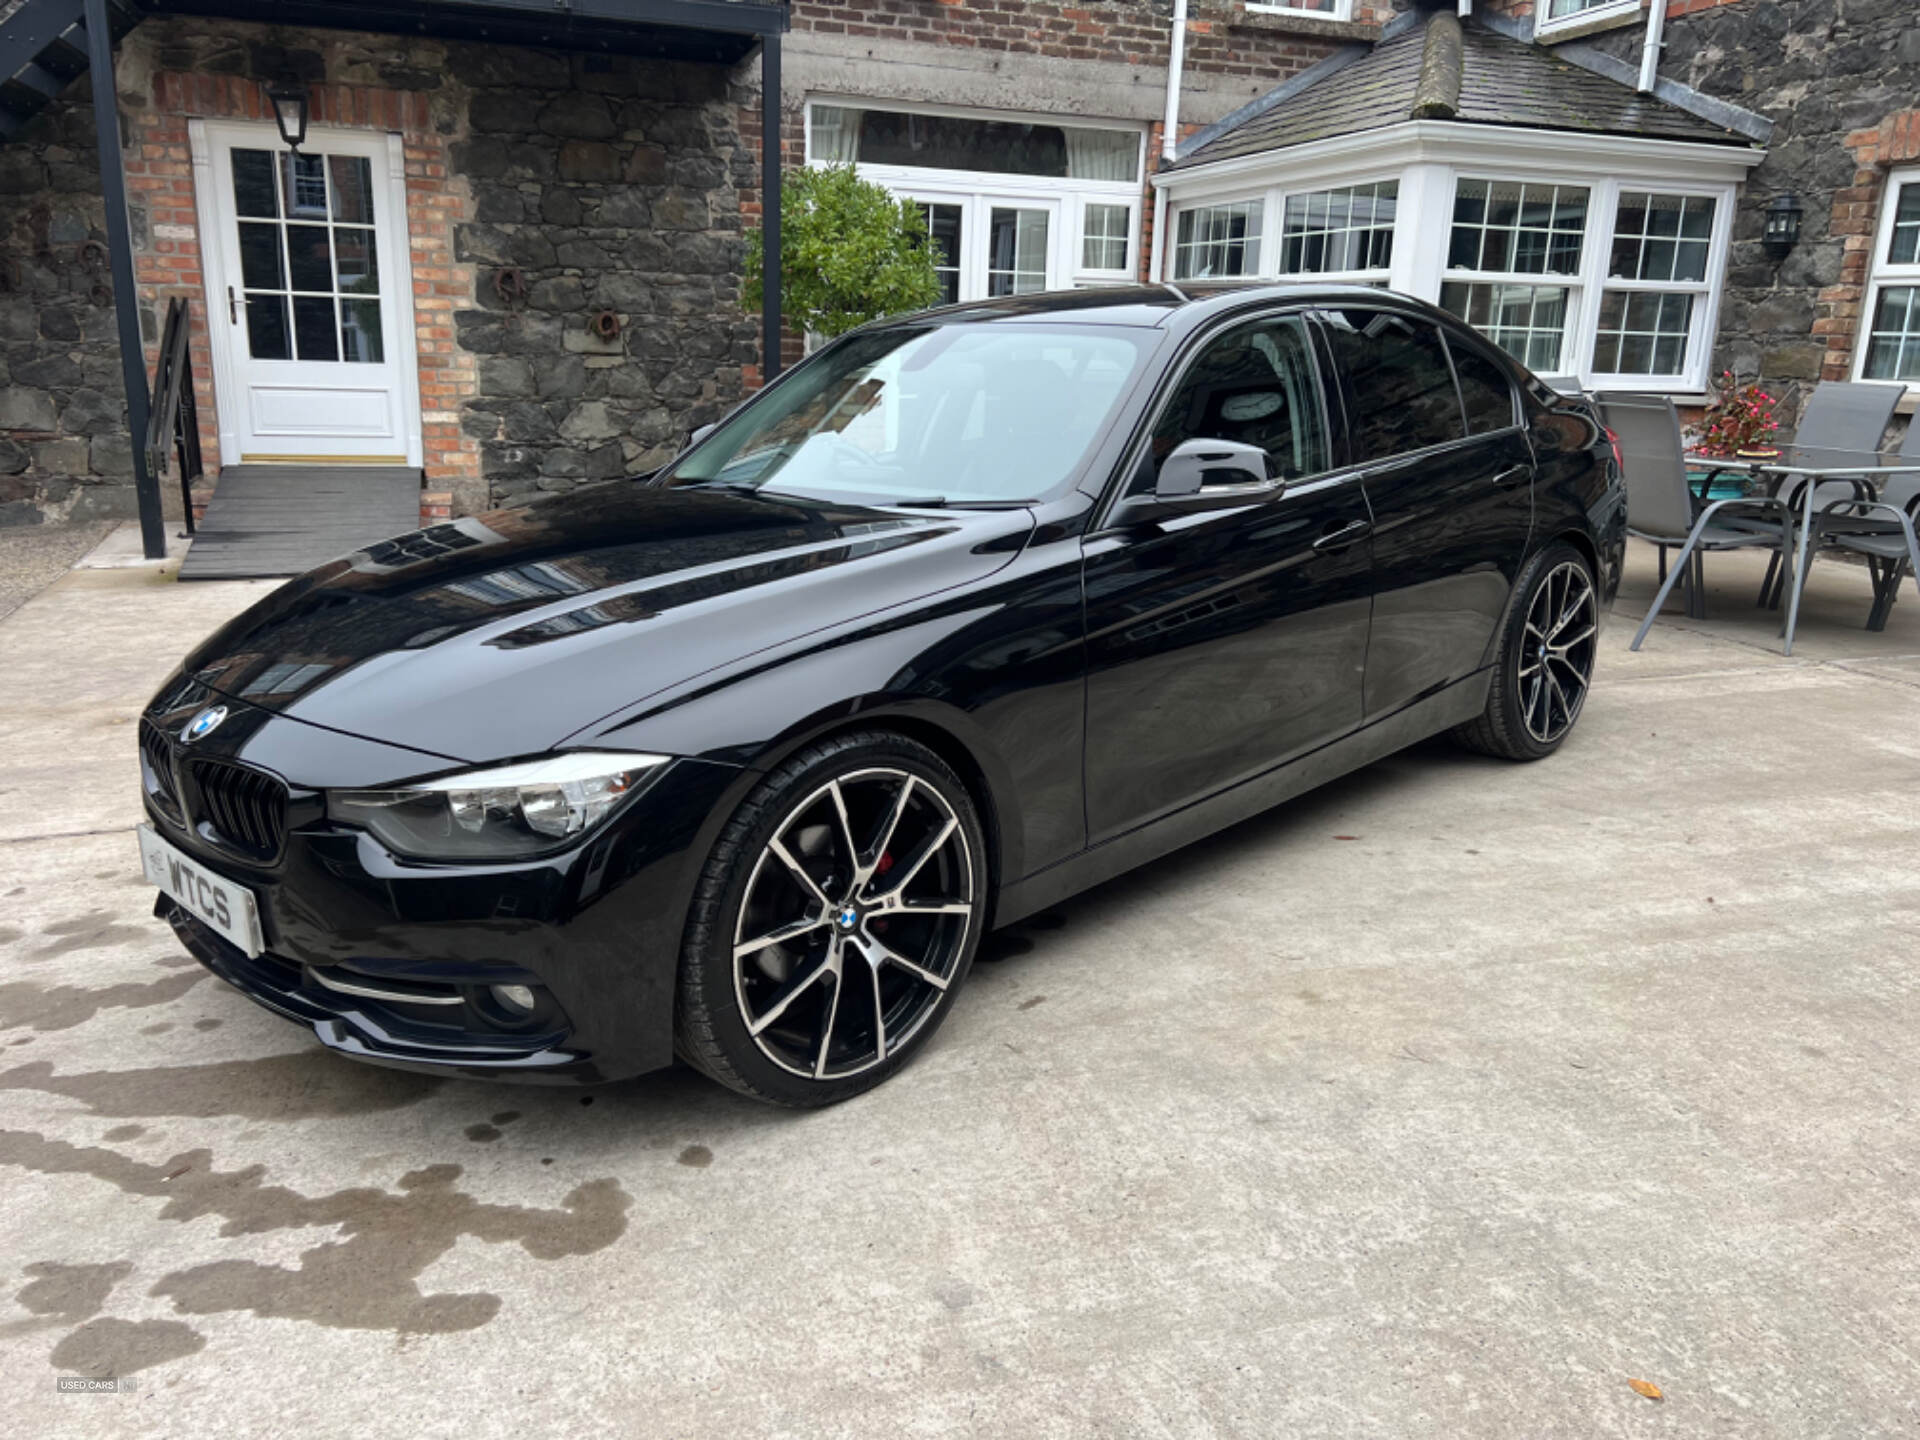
(173, 423)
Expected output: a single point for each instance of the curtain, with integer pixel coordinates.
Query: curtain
(1102, 154)
(836, 134)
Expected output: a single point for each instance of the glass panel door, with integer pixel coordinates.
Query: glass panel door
(1017, 249)
(309, 266)
(944, 234)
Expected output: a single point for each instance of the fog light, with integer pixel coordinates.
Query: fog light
(514, 997)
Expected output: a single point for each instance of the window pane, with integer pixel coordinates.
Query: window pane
(314, 329)
(1216, 241)
(1642, 333)
(1334, 230)
(305, 179)
(1016, 251)
(1893, 345)
(360, 338)
(267, 328)
(943, 235)
(954, 142)
(1661, 237)
(260, 257)
(1103, 241)
(1507, 227)
(1256, 385)
(310, 257)
(253, 184)
(1400, 383)
(1529, 322)
(357, 266)
(1560, 9)
(352, 188)
(1485, 390)
(1904, 247)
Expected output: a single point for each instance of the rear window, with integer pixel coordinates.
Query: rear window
(1485, 390)
(1399, 384)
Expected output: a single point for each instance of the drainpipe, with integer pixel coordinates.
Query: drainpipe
(1169, 138)
(1650, 52)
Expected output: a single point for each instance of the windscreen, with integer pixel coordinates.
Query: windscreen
(950, 413)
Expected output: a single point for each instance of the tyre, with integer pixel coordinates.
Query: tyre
(1545, 662)
(834, 922)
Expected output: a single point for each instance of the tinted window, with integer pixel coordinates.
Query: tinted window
(1399, 384)
(1485, 390)
(1255, 384)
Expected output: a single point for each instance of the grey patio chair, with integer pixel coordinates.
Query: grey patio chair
(1880, 532)
(1839, 415)
(1662, 508)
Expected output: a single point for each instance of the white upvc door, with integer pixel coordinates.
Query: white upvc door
(987, 244)
(309, 295)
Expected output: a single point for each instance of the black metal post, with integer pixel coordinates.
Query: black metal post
(126, 302)
(769, 206)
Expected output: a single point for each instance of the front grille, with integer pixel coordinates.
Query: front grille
(158, 757)
(245, 808)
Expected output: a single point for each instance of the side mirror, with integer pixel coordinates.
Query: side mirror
(699, 433)
(1196, 465)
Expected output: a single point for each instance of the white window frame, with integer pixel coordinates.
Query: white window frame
(1428, 158)
(977, 191)
(1575, 283)
(1545, 24)
(1342, 10)
(1881, 273)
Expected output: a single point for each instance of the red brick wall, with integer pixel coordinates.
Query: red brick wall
(1856, 219)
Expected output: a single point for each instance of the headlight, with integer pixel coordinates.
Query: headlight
(501, 813)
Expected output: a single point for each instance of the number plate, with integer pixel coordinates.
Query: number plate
(227, 907)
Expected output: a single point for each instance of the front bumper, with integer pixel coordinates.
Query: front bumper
(395, 962)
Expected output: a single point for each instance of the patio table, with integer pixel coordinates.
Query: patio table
(1867, 469)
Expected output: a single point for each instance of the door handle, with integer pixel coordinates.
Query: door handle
(233, 307)
(1351, 533)
(1513, 475)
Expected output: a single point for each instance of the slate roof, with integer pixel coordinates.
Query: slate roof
(1439, 67)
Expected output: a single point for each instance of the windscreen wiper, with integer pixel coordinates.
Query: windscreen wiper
(941, 502)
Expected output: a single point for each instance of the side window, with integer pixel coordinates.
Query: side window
(1400, 386)
(1255, 384)
(1485, 390)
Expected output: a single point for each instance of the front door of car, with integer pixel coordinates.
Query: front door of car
(1448, 475)
(1221, 642)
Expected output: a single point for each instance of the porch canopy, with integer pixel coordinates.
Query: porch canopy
(1579, 222)
(46, 44)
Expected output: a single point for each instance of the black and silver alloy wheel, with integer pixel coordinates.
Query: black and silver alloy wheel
(855, 914)
(1548, 645)
(837, 918)
(1556, 661)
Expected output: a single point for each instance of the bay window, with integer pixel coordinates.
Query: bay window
(1508, 243)
(1348, 231)
(1215, 242)
(1889, 348)
(1657, 272)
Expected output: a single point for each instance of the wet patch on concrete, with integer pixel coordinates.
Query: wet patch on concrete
(93, 931)
(368, 1278)
(69, 1292)
(211, 1024)
(126, 1132)
(1028, 1004)
(27, 1006)
(278, 1087)
(8, 934)
(699, 1157)
(484, 1134)
(109, 1347)
(506, 1117)
(160, 1029)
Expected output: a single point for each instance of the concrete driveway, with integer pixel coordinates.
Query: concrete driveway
(1442, 1103)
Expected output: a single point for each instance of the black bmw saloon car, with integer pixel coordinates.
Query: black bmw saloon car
(973, 609)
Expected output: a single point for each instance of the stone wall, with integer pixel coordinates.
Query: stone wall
(575, 237)
(64, 450)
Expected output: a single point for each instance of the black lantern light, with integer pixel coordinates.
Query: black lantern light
(289, 100)
(1782, 231)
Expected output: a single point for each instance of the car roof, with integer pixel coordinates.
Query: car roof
(1149, 306)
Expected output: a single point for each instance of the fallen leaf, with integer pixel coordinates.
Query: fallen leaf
(1646, 1388)
(1346, 837)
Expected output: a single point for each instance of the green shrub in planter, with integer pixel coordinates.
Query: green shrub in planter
(849, 253)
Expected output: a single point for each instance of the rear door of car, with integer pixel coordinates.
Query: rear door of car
(1434, 425)
(1221, 642)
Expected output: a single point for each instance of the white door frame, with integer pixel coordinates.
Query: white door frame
(396, 257)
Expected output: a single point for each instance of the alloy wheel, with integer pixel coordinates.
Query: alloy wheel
(854, 920)
(1557, 653)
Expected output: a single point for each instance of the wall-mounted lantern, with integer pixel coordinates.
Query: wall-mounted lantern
(289, 100)
(1782, 230)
